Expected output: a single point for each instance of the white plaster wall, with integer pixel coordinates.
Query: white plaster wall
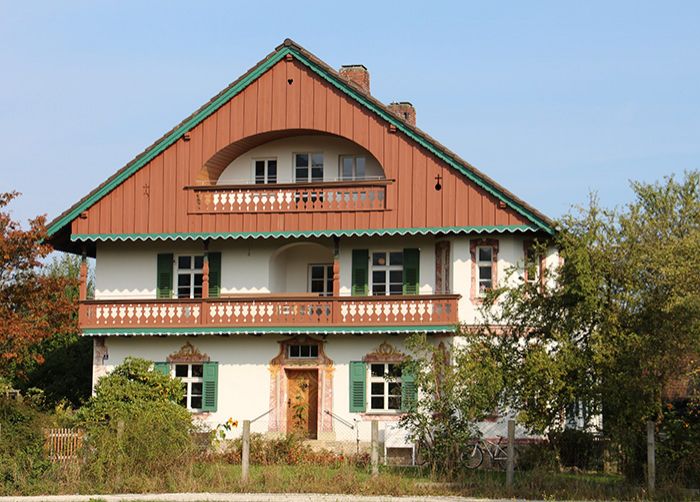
(244, 376)
(241, 170)
(244, 379)
(297, 263)
(128, 270)
(426, 245)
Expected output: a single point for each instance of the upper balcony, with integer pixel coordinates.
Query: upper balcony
(290, 172)
(349, 195)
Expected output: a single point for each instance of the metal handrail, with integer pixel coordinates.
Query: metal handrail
(351, 426)
(264, 414)
(340, 419)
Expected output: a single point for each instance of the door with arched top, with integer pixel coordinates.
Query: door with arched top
(302, 402)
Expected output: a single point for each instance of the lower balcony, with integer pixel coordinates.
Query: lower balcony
(272, 311)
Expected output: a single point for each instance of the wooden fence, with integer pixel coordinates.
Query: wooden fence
(62, 445)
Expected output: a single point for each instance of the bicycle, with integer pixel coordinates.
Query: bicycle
(473, 457)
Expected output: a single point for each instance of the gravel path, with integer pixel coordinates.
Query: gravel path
(240, 497)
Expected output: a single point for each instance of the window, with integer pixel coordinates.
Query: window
(308, 167)
(531, 264)
(352, 167)
(384, 387)
(387, 273)
(302, 351)
(265, 171)
(442, 267)
(189, 276)
(321, 279)
(485, 268)
(192, 376)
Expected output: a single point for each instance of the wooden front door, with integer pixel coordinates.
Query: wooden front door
(302, 402)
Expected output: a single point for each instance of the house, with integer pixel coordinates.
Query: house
(275, 249)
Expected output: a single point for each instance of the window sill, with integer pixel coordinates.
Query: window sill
(382, 416)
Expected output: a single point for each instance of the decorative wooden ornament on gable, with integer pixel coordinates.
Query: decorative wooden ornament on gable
(385, 353)
(283, 358)
(188, 353)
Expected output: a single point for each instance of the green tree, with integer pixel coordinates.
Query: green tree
(619, 319)
(33, 306)
(458, 385)
(65, 373)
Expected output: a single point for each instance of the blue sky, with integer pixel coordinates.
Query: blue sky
(551, 99)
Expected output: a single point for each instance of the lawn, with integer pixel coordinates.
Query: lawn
(220, 477)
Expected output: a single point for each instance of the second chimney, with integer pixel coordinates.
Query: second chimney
(357, 74)
(405, 111)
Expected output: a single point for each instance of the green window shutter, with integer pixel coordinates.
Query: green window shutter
(214, 274)
(162, 368)
(164, 286)
(360, 272)
(411, 271)
(358, 386)
(210, 386)
(409, 391)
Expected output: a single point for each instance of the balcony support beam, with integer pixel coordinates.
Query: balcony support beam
(336, 266)
(205, 271)
(82, 291)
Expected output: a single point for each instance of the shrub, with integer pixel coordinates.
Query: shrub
(678, 448)
(133, 382)
(579, 449)
(289, 450)
(135, 430)
(149, 438)
(537, 456)
(22, 457)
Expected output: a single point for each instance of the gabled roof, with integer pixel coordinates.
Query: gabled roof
(288, 47)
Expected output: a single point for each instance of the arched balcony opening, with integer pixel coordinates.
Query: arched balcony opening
(290, 171)
(302, 267)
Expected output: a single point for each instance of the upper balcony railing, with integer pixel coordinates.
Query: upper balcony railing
(361, 195)
(271, 311)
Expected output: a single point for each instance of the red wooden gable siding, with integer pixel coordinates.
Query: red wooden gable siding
(153, 199)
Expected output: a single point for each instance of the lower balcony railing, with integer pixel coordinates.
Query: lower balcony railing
(272, 311)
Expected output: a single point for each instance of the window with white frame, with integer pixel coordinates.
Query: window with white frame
(189, 273)
(265, 171)
(302, 351)
(192, 376)
(484, 256)
(321, 279)
(308, 167)
(384, 387)
(387, 273)
(352, 167)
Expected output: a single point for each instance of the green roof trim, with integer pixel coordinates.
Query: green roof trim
(290, 48)
(492, 229)
(291, 330)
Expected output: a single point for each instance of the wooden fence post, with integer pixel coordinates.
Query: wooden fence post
(651, 456)
(510, 466)
(245, 452)
(375, 448)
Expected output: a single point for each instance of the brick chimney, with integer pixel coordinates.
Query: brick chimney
(404, 110)
(357, 74)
